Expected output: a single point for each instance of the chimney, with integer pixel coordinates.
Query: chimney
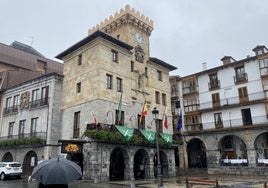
(204, 66)
(227, 60)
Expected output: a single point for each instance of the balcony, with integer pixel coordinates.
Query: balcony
(191, 89)
(41, 135)
(253, 98)
(39, 103)
(241, 78)
(214, 85)
(239, 122)
(10, 110)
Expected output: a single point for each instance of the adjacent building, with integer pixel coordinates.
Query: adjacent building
(225, 116)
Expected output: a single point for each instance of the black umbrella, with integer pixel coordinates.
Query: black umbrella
(56, 171)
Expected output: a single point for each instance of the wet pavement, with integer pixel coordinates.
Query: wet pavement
(175, 182)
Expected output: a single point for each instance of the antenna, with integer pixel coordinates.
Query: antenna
(31, 40)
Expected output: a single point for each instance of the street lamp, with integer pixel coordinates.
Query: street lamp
(159, 175)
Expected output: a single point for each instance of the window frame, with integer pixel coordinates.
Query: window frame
(119, 84)
(76, 124)
(114, 54)
(109, 81)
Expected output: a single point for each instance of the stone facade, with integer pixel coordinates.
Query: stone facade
(114, 61)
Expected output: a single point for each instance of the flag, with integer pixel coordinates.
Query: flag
(164, 120)
(119, 109)
(95, 120)
(179, 126)
(144, 111)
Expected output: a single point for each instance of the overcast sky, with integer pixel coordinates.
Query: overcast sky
(186, 32)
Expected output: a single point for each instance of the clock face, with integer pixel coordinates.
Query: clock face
(138, 38)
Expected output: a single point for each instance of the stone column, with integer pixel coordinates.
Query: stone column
(213, 158)
(252, 157)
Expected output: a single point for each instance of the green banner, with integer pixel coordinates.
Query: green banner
(149, 135)
(125, 131)
(167, 137)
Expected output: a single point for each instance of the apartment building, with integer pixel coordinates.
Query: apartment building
(31, 121)
(225, 116)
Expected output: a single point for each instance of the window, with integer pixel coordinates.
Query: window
(164, 99)
(109, 81)
(80, 59)
(159, 75)
(78, 87)
(34, 123)
(10, 129)
(131, 66)
(146, 72)
(191, 103)
(192, 123)
(246, 116)
(213, 81)
(114, 56)
(16, 101)
(218, 120)
(44, 95)
(76, 127)
(216, 100)
(157, 97)
(35, 95)
(240, 75)
(121, 120)
(243, 94)
(119, 84)
(22, 128)
(189, 86)
(264, 66)
(8, 102)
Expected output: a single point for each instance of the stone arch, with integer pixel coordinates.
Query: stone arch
(141, 164)
(261, 146)
(7, 157)
(232, 147)
(196, 151)
(118, 163)
(164, 164)
(29, 162)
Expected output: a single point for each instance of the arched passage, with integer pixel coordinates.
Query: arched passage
(141, 164)
(233, 151)
(7, 157)
(117, 165)
(196, 154)
(29, 162)
(261, 147)
(164, 164)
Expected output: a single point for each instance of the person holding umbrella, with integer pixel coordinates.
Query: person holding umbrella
(56, 173)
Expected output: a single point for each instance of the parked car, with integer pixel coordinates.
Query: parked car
(10, 169)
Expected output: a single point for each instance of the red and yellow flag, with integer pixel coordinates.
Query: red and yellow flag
(144, 111)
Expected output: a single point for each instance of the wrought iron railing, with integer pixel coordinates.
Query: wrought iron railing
(41, 135)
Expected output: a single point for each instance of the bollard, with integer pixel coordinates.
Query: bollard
(132, 185)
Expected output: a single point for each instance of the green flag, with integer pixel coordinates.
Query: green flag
(119, 115)
(167, 137)
(125, 131)
(149, 135)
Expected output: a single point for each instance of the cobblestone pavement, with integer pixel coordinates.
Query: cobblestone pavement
(180, 182)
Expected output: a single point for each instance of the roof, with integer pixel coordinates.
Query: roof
(91, 37)
(162, 63)
(25, 48)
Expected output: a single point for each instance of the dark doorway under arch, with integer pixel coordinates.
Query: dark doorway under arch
(196, 154)
(141, 163)
(117, 165)
(29, 162)
(7, 157)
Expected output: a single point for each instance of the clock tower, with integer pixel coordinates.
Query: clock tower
(131, 27)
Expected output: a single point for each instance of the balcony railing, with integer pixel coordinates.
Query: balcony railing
(39, 103)
(214, 85)
(41, 135)
(238, 122)
(10, 110)
(254, 97)
(243, 77)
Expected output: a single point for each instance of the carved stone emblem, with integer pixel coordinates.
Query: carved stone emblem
(24, 100)
(139, 54)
